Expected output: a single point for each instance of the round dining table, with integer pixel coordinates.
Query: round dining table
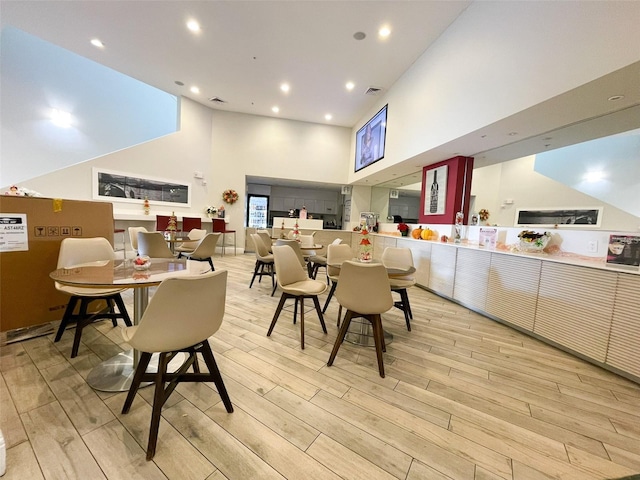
(116, 373)
(360, 331)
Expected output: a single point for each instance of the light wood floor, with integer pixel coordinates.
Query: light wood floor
(464, 398)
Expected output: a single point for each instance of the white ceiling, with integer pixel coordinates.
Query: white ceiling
(246, 49)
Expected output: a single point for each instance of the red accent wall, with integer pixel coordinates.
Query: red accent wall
(457, 187)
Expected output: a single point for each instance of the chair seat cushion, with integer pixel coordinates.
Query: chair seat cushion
(88, 292)
(128, 332)
(306, 287)
(266, 258)
(318, 259)
(401, 282)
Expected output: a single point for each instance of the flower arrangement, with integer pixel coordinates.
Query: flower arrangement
(531, 241)
(403, 228)
(211, 210)
(483, 214)
(230, 196)
(365, 249)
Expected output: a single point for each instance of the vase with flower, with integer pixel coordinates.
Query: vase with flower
(403, 228)
(211, 211)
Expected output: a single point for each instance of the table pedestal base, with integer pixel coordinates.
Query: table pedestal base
(116, 373)
(361, 333)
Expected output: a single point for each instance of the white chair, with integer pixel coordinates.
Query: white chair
(133, 237)
(295, 245)
(295, 283)
(397, 257)
(205, 250)
(263, 259)
(181, 316)
(320, 261)
(75, 252)
(195, 235)
(336, 255)
(154, 245)
(266, 238)
(365, 292)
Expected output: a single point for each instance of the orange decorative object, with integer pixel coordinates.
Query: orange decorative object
(426, 234)
(416, 232)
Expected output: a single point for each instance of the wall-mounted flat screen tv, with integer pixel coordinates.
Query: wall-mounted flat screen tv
(370, 140)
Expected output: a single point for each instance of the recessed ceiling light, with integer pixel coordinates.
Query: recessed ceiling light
(594, 176)
(193, 26)
(285, 87)
(328, 117)
(61, 118)
(97, 43)
(615, 97)
(350, 86)
(359, 35)
(275, 109)
(384, 32)
(195, 89)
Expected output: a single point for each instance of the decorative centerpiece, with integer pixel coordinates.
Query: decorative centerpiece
(172, 226)
(296, 232)
(142, 263)
(365, 249)
(146, 206)
(211, 211)
(230, 196)
(531, 241)
(403, 228)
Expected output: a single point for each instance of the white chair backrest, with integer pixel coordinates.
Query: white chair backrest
(261, 248)
(336, 254)
(296, 248)
(266, 239)
(207, 246)
(133, 236)
(306, 240)
(337, 241)
(398, 257)
(290, 235)
(81, 251)
(364, 288)
(153, 244)
(182, 312)
(196, 234)
(288, 269)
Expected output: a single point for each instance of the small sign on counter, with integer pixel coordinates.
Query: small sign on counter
(624, 250)
(13, 232)
(487, 238)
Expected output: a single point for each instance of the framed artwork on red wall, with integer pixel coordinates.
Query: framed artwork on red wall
(436, 191)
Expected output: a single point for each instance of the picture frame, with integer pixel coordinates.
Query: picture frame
(114, 186)
(371, 139)
(578, 217)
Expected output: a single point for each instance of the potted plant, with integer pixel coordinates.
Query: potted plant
(403, 228)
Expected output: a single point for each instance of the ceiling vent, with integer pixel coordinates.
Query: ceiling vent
(217, 100)
(373, 91)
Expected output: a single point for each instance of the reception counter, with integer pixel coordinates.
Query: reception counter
(289, 223)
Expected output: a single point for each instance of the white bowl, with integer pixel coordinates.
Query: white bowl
(534, 244)
(143, 266)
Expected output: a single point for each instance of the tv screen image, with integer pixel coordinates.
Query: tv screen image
(370, 140)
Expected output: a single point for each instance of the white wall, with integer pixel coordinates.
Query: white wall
(497, 59)
(518, 181)
(225, 147)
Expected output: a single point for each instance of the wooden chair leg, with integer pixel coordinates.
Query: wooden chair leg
(283, 298)
(316, 302)
(340, 337)
(66, 318)
(405, 307)
(333, 289)
(210, 361)
(123, 310)
(378, 338)
(158, 401)
(82, 315)
(255, 272)
(143, 363)
(301, 322)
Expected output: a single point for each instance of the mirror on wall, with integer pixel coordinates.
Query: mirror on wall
(398, 200)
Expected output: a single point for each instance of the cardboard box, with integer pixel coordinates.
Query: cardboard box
(27, 294)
